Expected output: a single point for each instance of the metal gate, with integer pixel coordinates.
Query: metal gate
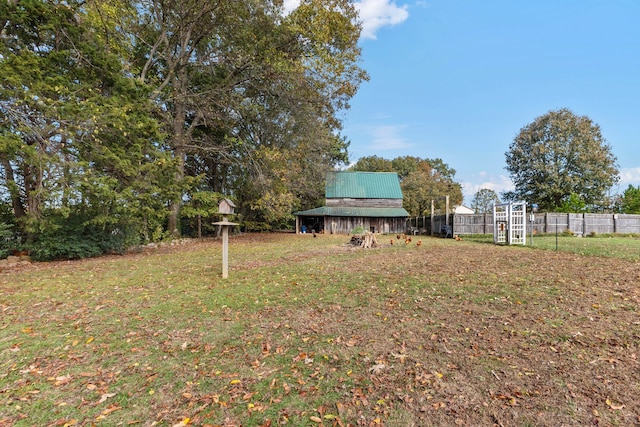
(509, 223)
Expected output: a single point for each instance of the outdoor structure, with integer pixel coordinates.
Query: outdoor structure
(226, 208)
(510, 223)
(463, 210)
(578, 224)
(368, 200)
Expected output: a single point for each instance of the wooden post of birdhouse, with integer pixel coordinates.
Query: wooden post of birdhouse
(226, 207)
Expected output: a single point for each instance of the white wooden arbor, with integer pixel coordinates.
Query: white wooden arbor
(510, 223)
(225, 207)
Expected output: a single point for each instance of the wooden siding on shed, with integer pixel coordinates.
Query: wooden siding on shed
(344, 225)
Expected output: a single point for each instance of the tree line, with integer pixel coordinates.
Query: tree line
(125, 121)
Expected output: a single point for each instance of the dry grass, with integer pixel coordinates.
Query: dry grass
(311, 332)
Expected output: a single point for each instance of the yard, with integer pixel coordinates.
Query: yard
(311, 332)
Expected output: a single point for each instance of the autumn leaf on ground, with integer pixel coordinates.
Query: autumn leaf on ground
(183, 423)
(62, 380)
(613, 405)
(105, 396)
(110, 409)
(377, 368)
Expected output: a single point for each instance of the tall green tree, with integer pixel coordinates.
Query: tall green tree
(373, 164)
(631, 200)
(573, 204)
(242, 85)
(77, 133)
(426, 184)
(122, 111)
(558, 154)
(483, 200)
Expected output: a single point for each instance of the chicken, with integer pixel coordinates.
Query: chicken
(419, 243)
(391, 241)
(398, 237)
(458, 238)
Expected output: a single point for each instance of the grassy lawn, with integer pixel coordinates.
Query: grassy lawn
(309, 331)
(613, 246)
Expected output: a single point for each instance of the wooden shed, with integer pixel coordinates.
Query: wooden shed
(371, 200)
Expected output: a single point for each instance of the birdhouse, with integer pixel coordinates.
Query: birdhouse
(226, 207)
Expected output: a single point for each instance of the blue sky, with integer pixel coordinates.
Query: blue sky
(458, 79)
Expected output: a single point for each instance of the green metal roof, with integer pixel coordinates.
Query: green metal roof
(355, 212)
(363, 185)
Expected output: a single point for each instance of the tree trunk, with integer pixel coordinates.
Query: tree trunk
(176, 203)
(179, 139)
(16, 200)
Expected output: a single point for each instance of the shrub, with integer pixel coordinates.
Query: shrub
(7, 240)
(73, 237)
(250, 226)
(358, 230)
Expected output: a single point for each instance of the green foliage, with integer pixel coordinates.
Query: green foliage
(631, 200)
(558, 154)
(358, 230)
(483, 200)
(199, 210)
(73, 237)
(95, 121)
(573, 204)
(201, 203)
(256, 226)
(262, 118)
(80, 134)
(372, 164)
(7, 242)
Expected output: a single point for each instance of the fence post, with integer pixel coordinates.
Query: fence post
(484, 223)
(432, 219)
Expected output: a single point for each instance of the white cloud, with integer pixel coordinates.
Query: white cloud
(629, 176)
(375, 14)
(498, 184)
(388, 137)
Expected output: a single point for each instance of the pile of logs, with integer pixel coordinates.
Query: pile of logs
(367, 240)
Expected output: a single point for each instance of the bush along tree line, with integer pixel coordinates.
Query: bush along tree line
(125, 121)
